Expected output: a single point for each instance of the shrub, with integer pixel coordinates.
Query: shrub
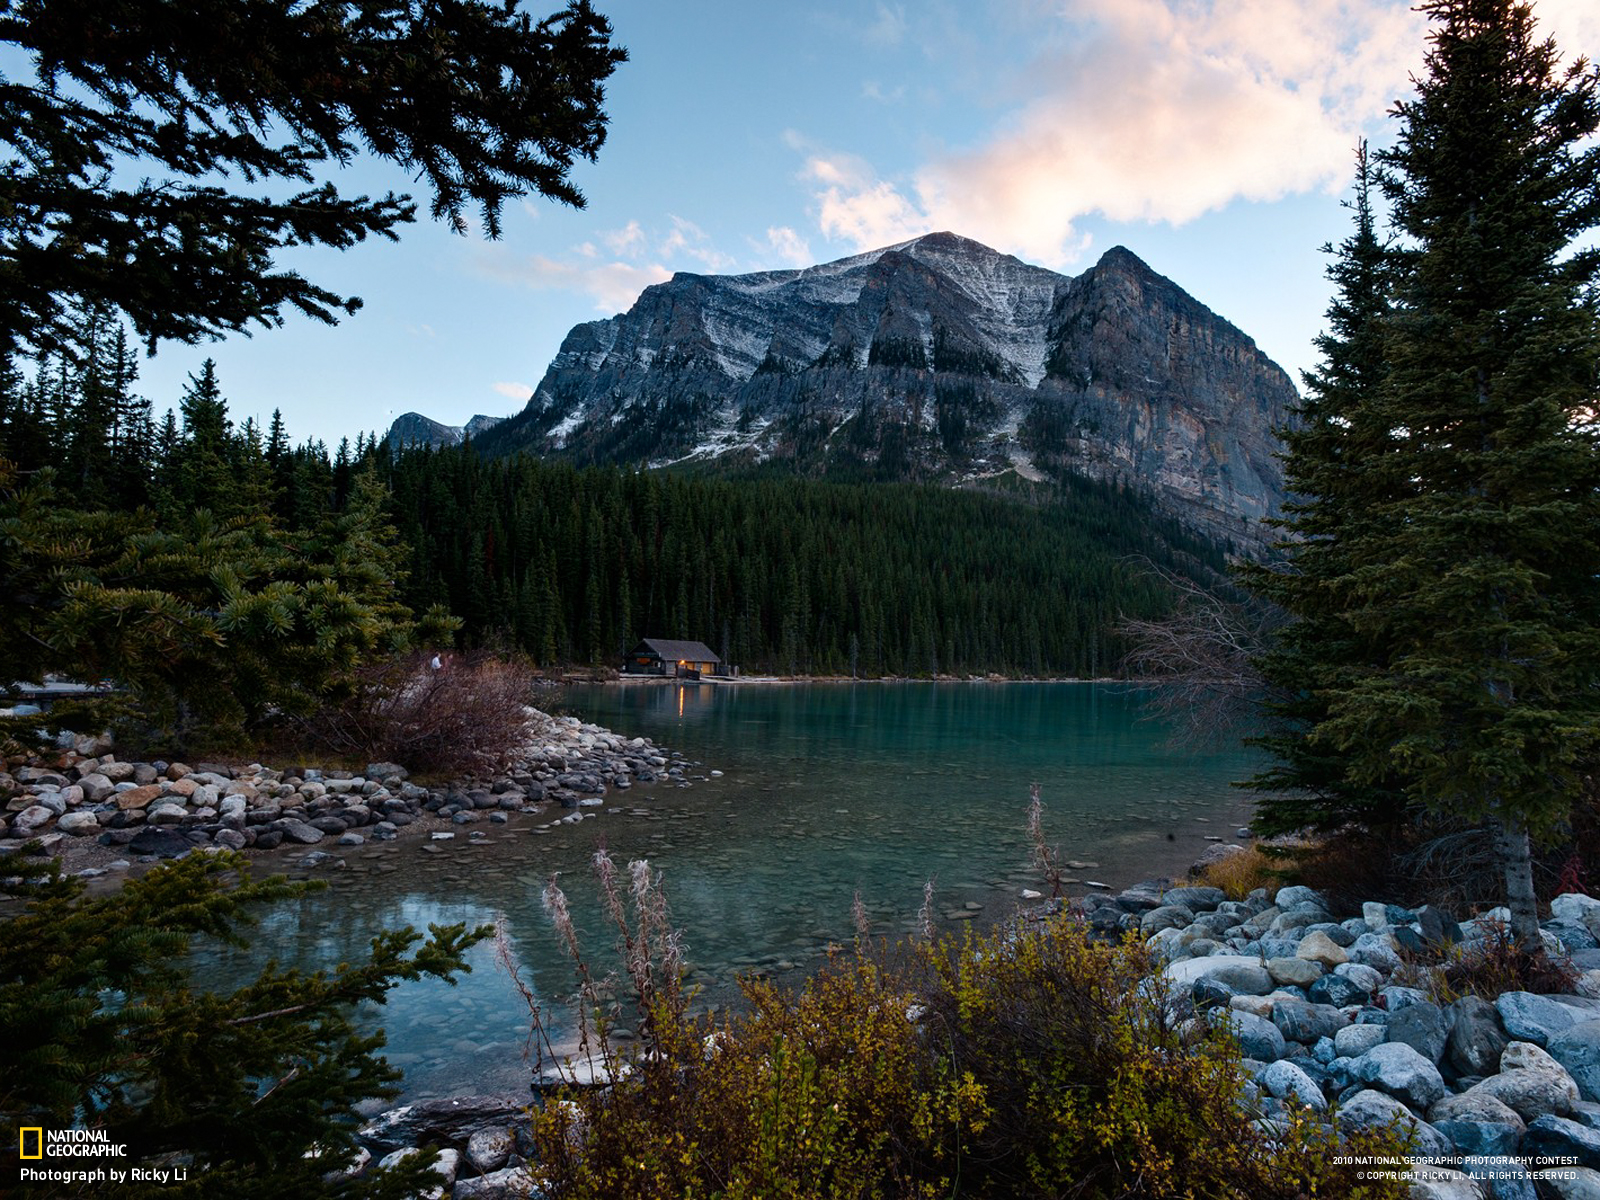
(1026, 1063)
(1240, 874)
(469, 715)
(1490, 968)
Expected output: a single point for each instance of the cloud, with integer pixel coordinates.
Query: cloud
(785, 246)
(1147, 110)
(888, 27)
(873, 90)
(688, 239)
(514, 391)
(627, 240)
(613, 286)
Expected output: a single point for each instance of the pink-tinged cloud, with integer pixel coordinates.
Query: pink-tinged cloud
(1149, 110)
(785, 247)
(613, 286)
(513, 390)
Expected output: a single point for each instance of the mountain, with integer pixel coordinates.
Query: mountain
(414, 429)
(936, 359)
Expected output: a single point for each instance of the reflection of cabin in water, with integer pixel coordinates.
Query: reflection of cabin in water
(683, 660)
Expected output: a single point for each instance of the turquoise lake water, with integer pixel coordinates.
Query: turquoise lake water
(825, 790)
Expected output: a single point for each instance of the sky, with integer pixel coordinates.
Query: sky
(1213, 138)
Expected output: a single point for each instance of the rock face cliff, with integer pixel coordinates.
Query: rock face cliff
(938, 358)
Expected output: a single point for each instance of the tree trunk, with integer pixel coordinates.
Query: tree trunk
(1516, 860)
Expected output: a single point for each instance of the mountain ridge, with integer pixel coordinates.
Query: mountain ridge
(935, 358)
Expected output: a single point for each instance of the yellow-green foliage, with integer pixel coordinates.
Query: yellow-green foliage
(1240, 874)
(1029, 1063)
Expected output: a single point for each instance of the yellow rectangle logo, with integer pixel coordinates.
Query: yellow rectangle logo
(38, 1141)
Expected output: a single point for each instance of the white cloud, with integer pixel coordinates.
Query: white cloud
(873, 90)
(613, 286)
(688, 239)
(625, 241)
(785, 246)
(1148, 110)
(514, 391)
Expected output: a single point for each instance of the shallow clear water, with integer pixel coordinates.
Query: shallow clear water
(827, 790)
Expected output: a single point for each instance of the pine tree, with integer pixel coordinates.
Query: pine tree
(1472, 571)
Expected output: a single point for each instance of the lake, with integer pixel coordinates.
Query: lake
(825, 790)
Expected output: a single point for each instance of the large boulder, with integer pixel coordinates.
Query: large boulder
(1369, 1109)
(1478, 1123)
(1577, 909)
(1296, 972)
(454, 1119)
(1577, 1049)
(1476, 1038)
(1302, 1021)
(1286, 1081)
(1242, 972)
(1558, 1138)
(512, 1183)
(1258, 1038)
(1396, 1068)
(1424, 1027)
(1531, 1082)
(1529, 1017)
(1569, 1183)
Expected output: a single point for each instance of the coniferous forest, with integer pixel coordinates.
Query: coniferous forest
(571, 566)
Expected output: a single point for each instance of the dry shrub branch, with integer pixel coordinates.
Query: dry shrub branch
(467, 716)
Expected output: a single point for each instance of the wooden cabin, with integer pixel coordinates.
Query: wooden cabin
(682, 660)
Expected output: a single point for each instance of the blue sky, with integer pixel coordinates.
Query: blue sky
(1214, 138)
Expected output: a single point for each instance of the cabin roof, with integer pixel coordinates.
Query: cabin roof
(673, 651)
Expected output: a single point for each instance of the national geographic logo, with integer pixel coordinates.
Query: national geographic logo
(82, 1156)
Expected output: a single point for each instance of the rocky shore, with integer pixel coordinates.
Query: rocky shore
(1349, 1018)
(87, 797)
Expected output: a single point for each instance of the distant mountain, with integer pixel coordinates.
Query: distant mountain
(414, 429)
(935, 359)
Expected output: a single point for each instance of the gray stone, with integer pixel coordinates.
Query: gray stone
(1337, 990)
(1557, 1137)
(1258, 1038)
(1394, 998)
(1241, 972)
(298, 831)
(1369, 1109)
(166, 814)
(1301, 1021)
(1288, 897)
(1368, 979)
(488, 1149)
(386, 771)
(1529, 1017)
(30, 820)
(1482, 1137)
(230, 839)
(1196, 899)
(96, 787)
(1444, 1183)
(163, 843)
(1168, 916)
(1424, 1027)
(1476, 1040)
(1577, 1049)
(1398, 1069)
(1285, 1081)
(1355, 1040)
(1375, 950)
(1504, 1177)
(79, 824)
(1578, 909)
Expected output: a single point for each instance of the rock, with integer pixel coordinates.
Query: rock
(1578, 909)
(1557, 1137)
(1531, 1082)
(79, 824)
(1258, 1038)
(1533, 1018)
(1285, 1081)
(96, 787)
(166, 814)
(1577, 1049)
(1394, 998)
(163, 843)
(1476, 1040)
(1337, 990)
(1437, 927)
(1368, 979)
(271, 839)
(488, 1149)
(1501, 1176)
(1288, 897)
(454, 1119)
(1375, 950)
(1423, 1027)
(1355, 1040)
(1196, 899)
(1482, 1137)
(1569, 1183)
(1301, 1021)
(30, 820)
(513, 1183)
(1298, 972)
(230, 839)
(1241, 972)
(298, 831)
(1168, 916)
(1319, 947)
(1369, 1109)
(1477, 1108)
(138, 797)
(1398, 1069)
